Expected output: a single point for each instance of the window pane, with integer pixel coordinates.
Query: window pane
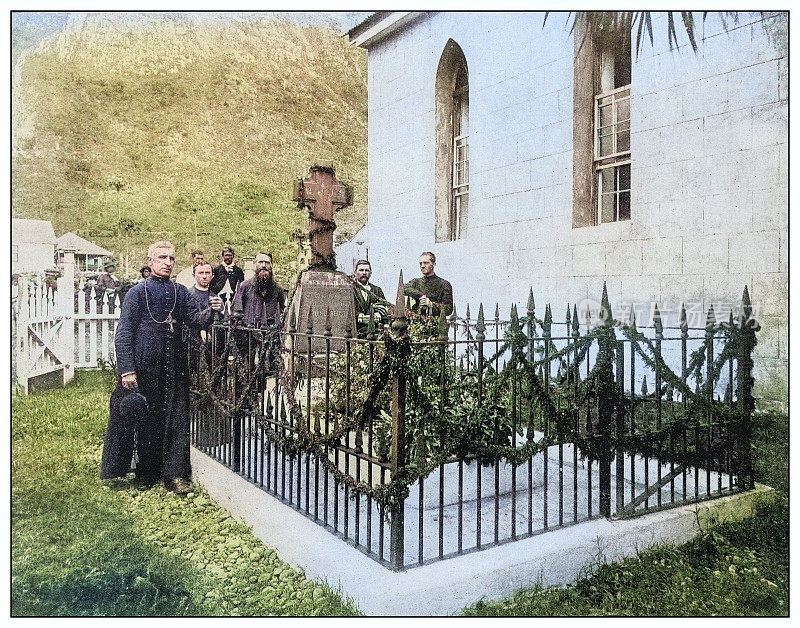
(623, 142)
(624, 206)
(624, 109)
(624, 177)
(607, 181)
(606, 145)
(606, 116)
(462, 215)
(607, 208)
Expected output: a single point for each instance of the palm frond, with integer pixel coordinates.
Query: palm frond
(688, 24)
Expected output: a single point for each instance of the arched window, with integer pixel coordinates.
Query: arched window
(452, 144)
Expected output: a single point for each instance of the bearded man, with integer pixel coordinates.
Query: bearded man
(152, 395)
(259, 301)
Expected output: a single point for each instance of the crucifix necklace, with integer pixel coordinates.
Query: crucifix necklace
(169, 320)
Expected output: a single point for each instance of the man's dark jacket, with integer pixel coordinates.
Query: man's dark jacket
(235, 276)
(438, 290)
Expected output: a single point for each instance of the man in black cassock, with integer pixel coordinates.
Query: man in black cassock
(150, 405)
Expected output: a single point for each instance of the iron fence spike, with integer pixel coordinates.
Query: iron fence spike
(605, 307)
(684, 325)
(657, 323)
(747, 306)
(480, 327)
(531, 302)
(711, 318)
(309, 321)
(468, 317)
(400, 299)
(575, 319)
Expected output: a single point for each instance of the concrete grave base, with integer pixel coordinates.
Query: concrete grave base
(445, 587)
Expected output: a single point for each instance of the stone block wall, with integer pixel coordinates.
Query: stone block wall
(709, 171)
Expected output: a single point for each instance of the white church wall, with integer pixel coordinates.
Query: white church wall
(709, 170)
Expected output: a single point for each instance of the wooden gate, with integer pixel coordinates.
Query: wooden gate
(44, 338)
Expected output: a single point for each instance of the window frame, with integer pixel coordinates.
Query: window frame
(614, 160)
(459, 184)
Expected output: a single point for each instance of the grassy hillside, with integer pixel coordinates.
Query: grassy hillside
(126, 133)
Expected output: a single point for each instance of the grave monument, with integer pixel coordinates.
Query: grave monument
(323, 299)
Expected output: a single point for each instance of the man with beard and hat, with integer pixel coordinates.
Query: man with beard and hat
(150, 406)
(107, 283)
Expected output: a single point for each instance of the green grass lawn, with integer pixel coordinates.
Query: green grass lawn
(82, 548)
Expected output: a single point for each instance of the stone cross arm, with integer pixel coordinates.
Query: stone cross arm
(323, 195)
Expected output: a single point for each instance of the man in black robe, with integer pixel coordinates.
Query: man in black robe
(201, 290)
(152, 395)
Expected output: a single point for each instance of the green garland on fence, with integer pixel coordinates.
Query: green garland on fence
(599, 384)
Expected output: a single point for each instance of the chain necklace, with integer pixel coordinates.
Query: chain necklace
(169, 318)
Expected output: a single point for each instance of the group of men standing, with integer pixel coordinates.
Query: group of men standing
(431, 295)
(149, 408)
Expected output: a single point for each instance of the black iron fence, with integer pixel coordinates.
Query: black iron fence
(431, 437)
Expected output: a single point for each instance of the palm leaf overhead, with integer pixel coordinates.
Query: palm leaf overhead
(602, 24)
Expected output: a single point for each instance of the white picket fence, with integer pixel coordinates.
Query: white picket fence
(95, 322)
(56, 331)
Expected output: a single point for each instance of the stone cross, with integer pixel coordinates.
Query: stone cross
(323, 196)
